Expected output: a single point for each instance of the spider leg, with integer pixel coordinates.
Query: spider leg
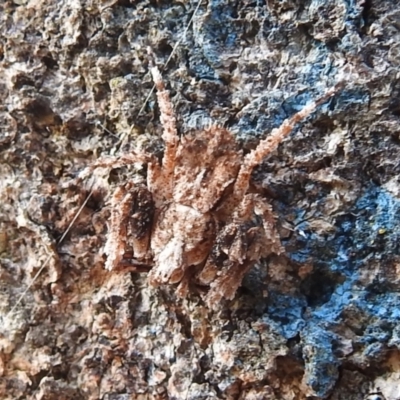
(141, 221)
(163, 179)
(117, 236)
(226, 285)
(269, 144)
(132, 210)
(111, 162)
(250, 236)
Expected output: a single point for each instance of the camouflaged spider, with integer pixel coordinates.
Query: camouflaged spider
(194, 220)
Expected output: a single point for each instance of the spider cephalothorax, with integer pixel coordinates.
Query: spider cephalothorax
(194, 220)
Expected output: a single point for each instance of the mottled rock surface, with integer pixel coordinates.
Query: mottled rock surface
(320, 321)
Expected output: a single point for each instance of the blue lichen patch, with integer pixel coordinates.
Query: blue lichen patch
(347, 304)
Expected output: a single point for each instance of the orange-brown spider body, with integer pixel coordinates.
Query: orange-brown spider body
(194, 220)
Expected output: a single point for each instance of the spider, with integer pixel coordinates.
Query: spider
(194, 220)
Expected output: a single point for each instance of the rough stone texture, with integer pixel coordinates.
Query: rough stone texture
(322, 320)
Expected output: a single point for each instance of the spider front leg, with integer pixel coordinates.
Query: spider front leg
(112, 162)
(161, 178)
(268, 145)
(132, 212)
